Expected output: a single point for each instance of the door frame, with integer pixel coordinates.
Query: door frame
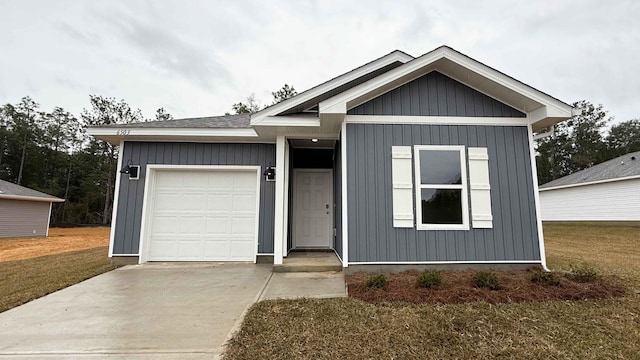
(294, 196)
(148, 198)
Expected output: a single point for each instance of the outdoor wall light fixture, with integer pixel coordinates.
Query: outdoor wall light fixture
(270, 173)
(132, 170)
(314, 140)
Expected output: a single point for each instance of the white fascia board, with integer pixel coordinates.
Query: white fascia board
(29, 198)
(301, 121)
(125, 132)
(396, 56)
(591, 183)
(339, 103)
(436, 120)
(116, 196)
(536, 198)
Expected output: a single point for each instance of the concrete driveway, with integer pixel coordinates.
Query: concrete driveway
(160, 311)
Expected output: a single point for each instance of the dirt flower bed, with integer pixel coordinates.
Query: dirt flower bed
(457, 288)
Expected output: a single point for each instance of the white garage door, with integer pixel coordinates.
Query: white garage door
(203, 216)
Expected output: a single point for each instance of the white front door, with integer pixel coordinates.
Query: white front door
(313, 209)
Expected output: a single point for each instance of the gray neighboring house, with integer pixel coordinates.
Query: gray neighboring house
(404, 161)
(24, 211)
(609, 191)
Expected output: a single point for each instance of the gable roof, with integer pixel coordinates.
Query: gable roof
(543, 110)
(623, 167)
(16, 192)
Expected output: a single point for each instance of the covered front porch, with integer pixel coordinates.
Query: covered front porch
(308, 202)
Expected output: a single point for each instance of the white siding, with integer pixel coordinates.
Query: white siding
(615, 201)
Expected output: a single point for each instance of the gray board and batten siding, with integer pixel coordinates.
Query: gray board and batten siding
(435, 94)
(19, 218)
(372, 237)
(128, 222)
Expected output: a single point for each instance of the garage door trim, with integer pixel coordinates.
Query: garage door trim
(147, 202)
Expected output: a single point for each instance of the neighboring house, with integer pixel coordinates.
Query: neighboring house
(401, 161)
(24, 211)
(609, 191)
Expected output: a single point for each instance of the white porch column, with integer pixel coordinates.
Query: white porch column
(278, 229)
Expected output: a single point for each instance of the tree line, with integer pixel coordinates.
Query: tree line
(49, 151)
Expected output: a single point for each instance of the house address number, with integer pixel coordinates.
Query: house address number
(123, 132)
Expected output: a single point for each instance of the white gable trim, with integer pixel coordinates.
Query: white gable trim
(436, 120)
(357, 95)
(396, 56)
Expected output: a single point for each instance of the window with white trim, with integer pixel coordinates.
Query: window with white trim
(441, 187)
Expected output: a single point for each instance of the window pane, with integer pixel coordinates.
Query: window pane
(441, 206)
(440, 167)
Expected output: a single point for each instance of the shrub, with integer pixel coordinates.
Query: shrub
(430, 279)
(378, 281)
(545, 278)
(583, 274)
(485, 279)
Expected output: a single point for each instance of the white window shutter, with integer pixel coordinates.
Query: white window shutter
(402, 180)
(480, 188)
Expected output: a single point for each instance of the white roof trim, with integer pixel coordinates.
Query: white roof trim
(289, 121)
(124, 132)
(340, 103)
(29, 198)
(591, 183)
(437, 120)
(395, 56)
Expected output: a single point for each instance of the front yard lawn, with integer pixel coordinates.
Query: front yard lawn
(25, 280)
(353, 329)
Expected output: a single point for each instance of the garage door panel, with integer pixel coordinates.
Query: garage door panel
(239, 250)
(163, 248)
(242, 226)
(190, 249)
(218, 226)
(218, 182)
(190, 225)
(244, 202)
(219, 202)
(217, 250)
(166, 201)
(165, 225)
(203, 216)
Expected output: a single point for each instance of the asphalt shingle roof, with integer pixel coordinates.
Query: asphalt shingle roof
(224, 121)
(622, 166)
(11, 189)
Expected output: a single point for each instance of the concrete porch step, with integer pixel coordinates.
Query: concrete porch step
(309, 261)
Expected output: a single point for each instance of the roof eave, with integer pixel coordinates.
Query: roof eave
(30, 198)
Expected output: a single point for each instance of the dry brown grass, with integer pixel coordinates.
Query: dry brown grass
(60, 240)
(612, 249)
(25, 280)
(352, 329)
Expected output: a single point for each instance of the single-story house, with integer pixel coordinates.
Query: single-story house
(402, 161)
(24, 211)
(609, 191)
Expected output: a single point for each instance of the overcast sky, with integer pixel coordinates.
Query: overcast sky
(197, 58)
